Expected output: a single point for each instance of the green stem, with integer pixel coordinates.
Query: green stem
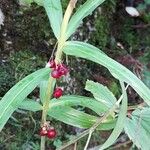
(45, 107)
(64, 26)
(51, 80)
(42, 143)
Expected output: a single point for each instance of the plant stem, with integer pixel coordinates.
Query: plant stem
(43, 143)
(64, 26)
(88, 140)
(51, 80)
(45, 107)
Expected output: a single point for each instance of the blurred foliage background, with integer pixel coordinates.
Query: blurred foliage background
(26, 43)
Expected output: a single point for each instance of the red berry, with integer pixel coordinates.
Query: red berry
(51, 133)
(63, 70)
(52, 64)
(43, 131)
(55, 74)
(58, 92)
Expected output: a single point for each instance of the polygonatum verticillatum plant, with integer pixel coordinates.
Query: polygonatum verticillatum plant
(110, 112)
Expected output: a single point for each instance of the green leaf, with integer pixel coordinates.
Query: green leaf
(80, 14)
(13, 98)
(54, 11)
(101, 93)
(43, 88)
(138, 128)
(87, 51)
(75, 100)
(61, 110)
(30, 105)
(120, 122)
(77, 118)
(108, 125)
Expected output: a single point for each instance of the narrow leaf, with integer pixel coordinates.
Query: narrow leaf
(13, 98)
(120, 122)
(43, 88)
(75, 100)
(54, 11)
(30, 105)
(87, 51)
(77, 118)
(101, 93)
(80, 14)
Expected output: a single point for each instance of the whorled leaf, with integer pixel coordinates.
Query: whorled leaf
(74, 100)
(77, 118)
(43, 89)
(80, 14)
(31, 105)
(13, 98)
(61, 110)
(87, 51)
(54, 11)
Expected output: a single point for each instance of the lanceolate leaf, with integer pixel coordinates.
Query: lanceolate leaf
(75, 100)
(43, 89)
(120, 122)
(101, 93)
(68, 101)
(81, 13)
(62, 111)
(13, 98)
(54, 11)
(87, 51)
(77, 118)
(29, 104)
(138, 128)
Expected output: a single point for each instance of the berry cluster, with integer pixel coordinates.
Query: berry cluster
(58, 70)
(50, 132)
